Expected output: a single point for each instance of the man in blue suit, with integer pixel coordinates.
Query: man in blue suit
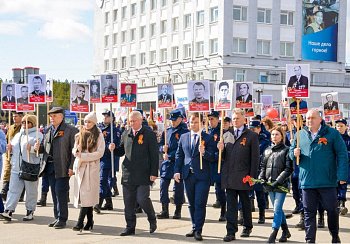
(197, 180)
(178, 127)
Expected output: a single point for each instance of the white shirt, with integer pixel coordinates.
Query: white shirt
(240, 131)
(313, 135)
(192, 137)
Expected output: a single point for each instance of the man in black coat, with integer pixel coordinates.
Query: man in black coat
(241, 158)
(57, 148)
(139, 171)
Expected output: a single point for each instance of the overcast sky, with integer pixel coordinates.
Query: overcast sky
(56, 36)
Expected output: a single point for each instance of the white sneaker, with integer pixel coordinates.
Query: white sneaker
(7, 215)
(29, 216)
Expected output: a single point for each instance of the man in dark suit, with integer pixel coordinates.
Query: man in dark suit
(139, 171)
(198, 91)
(241, 158)
(197, 180)
(8, 96)
(37, 83)
(330, 105)
(164, 97)
(80, 94)
(57, 154)
(245, 96)
(298, 81)
(128, 96)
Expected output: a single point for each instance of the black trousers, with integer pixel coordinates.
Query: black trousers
(232, 210)
(137, 194)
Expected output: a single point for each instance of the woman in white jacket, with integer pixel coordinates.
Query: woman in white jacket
(88, 148)
(22, 144)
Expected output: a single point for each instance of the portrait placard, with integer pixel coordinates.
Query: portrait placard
(198, 93)
(244, 97)
(8, 99)
(128, 95)
(223, 95)
(95, 91)
(302, 106)
(109, 88)
(297, 78)
(330, 103)
(79, 98)
(165, 94)
(37, 87)
(22, 99)
(49, 91)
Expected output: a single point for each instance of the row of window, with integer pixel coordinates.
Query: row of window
(263, 15)
(239, 13)
(286, 50)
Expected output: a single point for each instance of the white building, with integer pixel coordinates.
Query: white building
(150, 41)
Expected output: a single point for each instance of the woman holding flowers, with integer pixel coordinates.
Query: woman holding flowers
(276, 168)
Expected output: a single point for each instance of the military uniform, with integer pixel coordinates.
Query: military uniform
(167, 169)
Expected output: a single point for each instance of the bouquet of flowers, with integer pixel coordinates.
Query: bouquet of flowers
(251, 181)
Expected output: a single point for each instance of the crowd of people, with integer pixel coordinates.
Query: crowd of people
(259, 159)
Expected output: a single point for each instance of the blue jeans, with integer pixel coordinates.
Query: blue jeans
(277, 199)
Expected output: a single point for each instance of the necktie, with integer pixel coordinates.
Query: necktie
(237, 133)
(193, 143)
(135, 133)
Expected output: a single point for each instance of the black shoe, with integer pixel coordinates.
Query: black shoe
(60, 225)
(108, 205)
(29, 216)
(78, 228)
(261, 219)
(152, 226)
(164, 214)
(53, 223)
(296, 210)
(335, 239)
(115, 191)
(217, 204)
(198, 236)
(285, 233)
(89, 226)
(273, 235)
(127, 232)
(177, 213)
(229, 238)
(190, 234)
(246, 232)
(222, 219)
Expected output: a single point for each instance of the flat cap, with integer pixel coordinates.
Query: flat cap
(56, 110)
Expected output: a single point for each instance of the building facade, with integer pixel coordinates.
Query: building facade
(157, 41)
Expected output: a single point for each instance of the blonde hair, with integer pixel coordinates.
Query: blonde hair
(238, 111)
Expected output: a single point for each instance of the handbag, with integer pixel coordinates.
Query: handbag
(27, 171)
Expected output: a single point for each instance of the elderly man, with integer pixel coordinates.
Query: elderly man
(323, 164)
(241, 158)
(140, 170)
(57, 153)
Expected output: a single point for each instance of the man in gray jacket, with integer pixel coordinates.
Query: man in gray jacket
(57, 153)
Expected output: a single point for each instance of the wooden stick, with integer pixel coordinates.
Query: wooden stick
(298, 123)
(37, 126)
(206, 123)
(333, 121)
(9, 137)
(112, 153)
(165, 134)
(200, 142)
(27, 135)
(94, 107)
(47, 111)
(221, 139)
(290, 126)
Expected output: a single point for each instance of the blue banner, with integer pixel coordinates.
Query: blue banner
(320, 30)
